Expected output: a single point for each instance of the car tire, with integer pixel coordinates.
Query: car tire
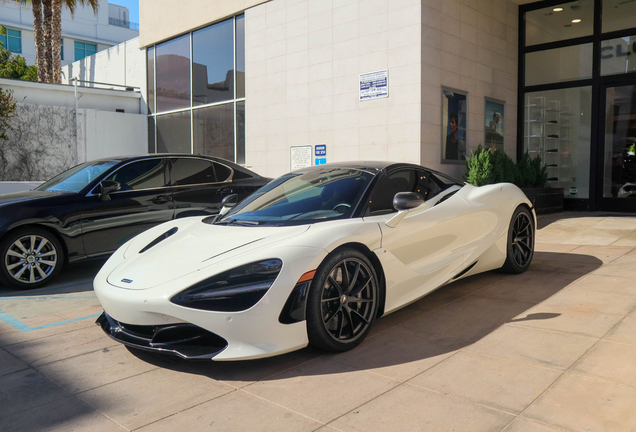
(520, 245)
(336, 322)
(31, 257)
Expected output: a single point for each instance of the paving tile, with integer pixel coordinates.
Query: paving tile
(606, 254)
(553, 247)
(578, 298)
(63, 415)
(143, 399)
(618, 268)
(82, 312)
(10, 363)
(563, 319)
(87, 371)
(497, 383)
(61, 346)
(611, 360)
(620, 222)
(555, 265)
(584, 403)
(465, 321)
(23, 390)
(625, 332)
(403, 315)
(322, 389)
(397, 353)
(11, 335)
(532, 346)
(409, 409)
(235, 412)
(595, 236)
(628, 239)
(608, 284)
(524, 425)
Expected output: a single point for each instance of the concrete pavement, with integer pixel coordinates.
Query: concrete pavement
(550, 350)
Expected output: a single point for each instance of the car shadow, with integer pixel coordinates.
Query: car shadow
(449, 319)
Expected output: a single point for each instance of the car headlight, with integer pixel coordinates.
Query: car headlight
(233, 290)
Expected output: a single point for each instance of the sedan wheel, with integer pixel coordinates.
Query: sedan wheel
(520, 242)
(343, 301)
(30, 258)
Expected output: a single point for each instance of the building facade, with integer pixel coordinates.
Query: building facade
(285, 83)
(83, 35)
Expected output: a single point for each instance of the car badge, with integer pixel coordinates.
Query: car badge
(126, 280)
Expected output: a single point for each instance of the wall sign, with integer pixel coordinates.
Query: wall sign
(374, 85)
(299, 157)
(320, 152)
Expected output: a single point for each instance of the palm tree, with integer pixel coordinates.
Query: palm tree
(47, 25)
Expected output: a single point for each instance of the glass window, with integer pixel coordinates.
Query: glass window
(240, 132)
(381, 199)
(151, 135)
(213, 63)
(214, 131)
(618, 56)
(173, 133)
(83, 50)
(557, 128)
(12, 41)
(618, 15)
(222, 172)
(454, 125)
(187, 171)
(150, 77)
(558, 65)
(560, 22)
(62, 49)
(240, 56)
(173, 74)
(77, 178)
(146, 174)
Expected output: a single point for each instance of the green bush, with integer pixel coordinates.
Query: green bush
(488, 167)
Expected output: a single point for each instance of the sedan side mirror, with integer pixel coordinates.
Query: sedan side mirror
(404, 202)
(228, 202)
(106, 187)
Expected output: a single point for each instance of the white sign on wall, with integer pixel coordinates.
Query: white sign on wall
(374, 85)
(299, 157)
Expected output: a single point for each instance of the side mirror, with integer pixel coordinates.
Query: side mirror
(404, 202)
(228, 202)
(407, 200)
(106, 187)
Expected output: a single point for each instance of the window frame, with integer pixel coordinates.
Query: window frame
(173, 180)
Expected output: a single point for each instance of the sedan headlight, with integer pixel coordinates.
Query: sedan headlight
(234, 290)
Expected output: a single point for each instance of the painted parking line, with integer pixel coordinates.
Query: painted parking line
(19, 325)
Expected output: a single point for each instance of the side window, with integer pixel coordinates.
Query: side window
(426, 185)
(146, 174)
(381, 199)
(222, 172)
(190, 171)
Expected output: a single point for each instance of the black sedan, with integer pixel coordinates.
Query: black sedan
(93, 208)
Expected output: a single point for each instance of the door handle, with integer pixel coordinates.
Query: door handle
(162, 199)
(225, 191)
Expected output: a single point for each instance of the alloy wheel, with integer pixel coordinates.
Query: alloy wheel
(348, 300)
(522, 239)
(31, 259)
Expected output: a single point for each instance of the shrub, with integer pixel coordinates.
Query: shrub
(488, 167)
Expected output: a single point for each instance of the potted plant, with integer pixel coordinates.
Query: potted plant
(487, 167)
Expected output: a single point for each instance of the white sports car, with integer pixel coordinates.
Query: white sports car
(314, 257)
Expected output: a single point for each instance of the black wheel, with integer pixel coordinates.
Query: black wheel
(343, 301)
(31, 257)
(520, 249)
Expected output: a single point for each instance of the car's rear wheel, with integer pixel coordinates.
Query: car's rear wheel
(31, 257)
(520, 249)
(343, 301)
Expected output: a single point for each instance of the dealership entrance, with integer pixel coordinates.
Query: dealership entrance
(577, 87)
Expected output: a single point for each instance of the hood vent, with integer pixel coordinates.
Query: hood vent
(159, 239)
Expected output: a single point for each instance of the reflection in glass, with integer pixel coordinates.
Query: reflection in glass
(240, 132)
(213, 63)
(454, 121)
(554, 23)
(557, 128)
(173, 133)
(173, 74)
(620, 142)
(151, 135)
(214, 131)
(150, 78)
(240, 56)
(618, 15)
(558, 65)
(618, 55)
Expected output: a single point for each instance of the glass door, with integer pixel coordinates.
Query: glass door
(619, 136)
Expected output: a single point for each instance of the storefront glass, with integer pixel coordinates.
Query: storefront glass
(618, 15)
(618, 56)
(559, 65)
(560, 22)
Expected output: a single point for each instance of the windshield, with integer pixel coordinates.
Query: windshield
(299, 198)
(76, 178)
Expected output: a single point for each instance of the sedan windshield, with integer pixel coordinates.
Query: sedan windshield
(76, 178)
(299, 198)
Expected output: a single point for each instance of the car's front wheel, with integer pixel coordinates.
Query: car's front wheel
(520, 248)
(31, 257)
(343, 301)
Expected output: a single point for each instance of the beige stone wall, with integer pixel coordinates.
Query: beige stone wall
(303, 60)
(469, 45)
(164, 19)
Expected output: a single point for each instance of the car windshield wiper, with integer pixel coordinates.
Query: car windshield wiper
(243, 222)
